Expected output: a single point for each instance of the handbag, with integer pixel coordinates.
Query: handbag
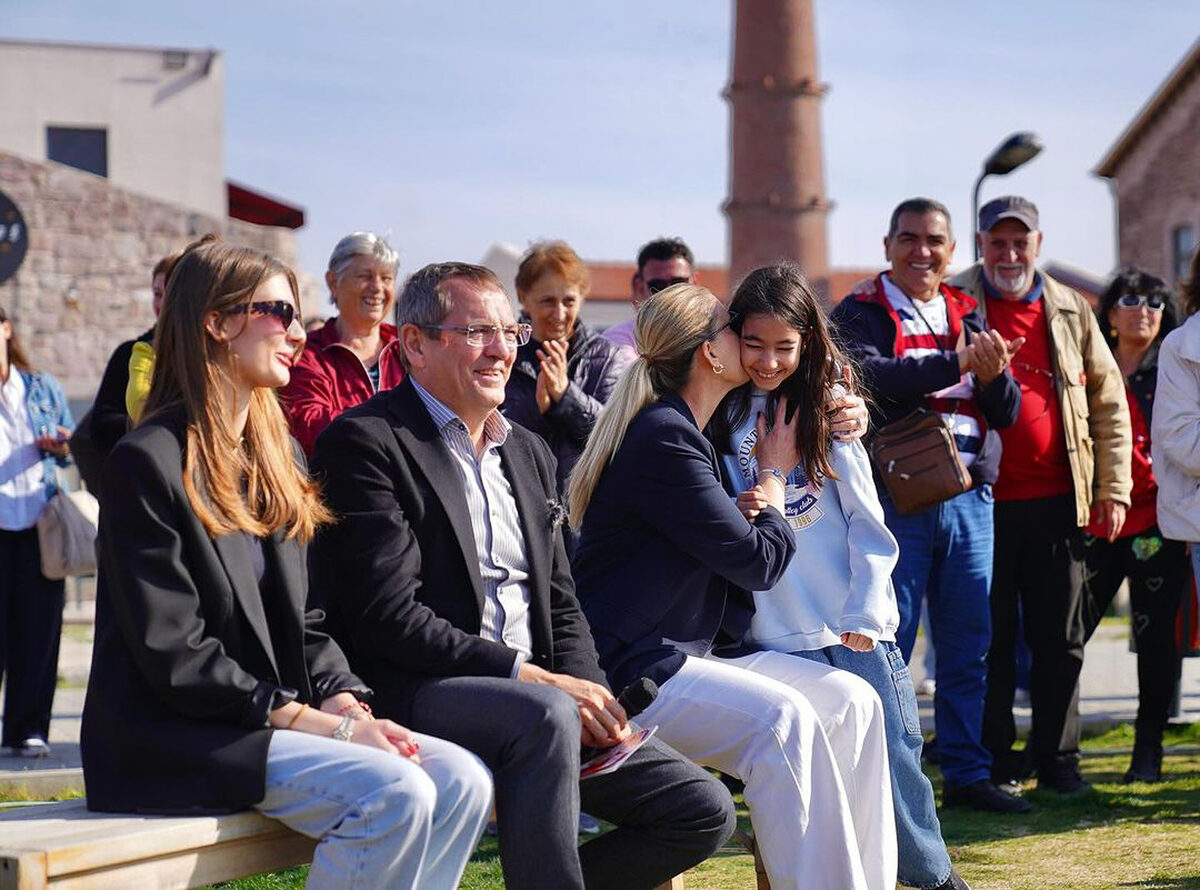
(918, 461)
(66, 530)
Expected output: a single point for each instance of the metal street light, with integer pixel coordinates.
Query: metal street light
(1017, 149)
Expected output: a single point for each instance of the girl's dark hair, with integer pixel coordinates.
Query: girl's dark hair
(1131, 280)
(17, 357)
(782, 291)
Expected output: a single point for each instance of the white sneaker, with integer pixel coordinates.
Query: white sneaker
(928, 686)
(33, 746)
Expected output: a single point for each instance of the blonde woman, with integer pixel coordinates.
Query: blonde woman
(211, 689)
(662, 546)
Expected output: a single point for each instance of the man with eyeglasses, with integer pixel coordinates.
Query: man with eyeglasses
(1065, 464)
(660, 263)
(447, 581)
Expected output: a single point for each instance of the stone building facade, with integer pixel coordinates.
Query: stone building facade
(1155, 170)
(84, 285)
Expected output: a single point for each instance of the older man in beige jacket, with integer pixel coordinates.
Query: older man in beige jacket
(1066, 461)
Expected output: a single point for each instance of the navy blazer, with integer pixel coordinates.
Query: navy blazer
(186, 669)
(664, 549)
(406, 593)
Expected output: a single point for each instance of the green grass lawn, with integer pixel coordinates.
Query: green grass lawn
(1115, 836)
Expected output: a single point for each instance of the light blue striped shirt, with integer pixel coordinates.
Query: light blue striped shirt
(496, 523)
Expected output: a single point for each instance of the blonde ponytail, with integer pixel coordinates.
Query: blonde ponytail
(668, 330)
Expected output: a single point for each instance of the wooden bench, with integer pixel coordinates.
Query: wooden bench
(64, 845)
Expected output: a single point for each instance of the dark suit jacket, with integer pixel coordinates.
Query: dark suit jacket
(405, 592)
(664, 553)
(185, 668)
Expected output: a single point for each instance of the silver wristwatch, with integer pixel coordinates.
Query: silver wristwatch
(345, 730)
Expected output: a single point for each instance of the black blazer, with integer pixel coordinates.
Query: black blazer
(406, 596)
(185, 669)
(664, 550)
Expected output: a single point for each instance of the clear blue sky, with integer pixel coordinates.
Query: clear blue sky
(452, 125)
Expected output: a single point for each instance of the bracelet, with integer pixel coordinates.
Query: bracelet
(296, 717)
(345, 730)
(776, 472)
(353, 706)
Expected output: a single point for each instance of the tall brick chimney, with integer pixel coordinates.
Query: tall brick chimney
(776, 205)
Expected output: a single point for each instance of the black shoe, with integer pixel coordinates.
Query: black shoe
(1011, 767)
(984, 796)
(930, 755)
(954, 882)
(1146, 763)
(1068, 782)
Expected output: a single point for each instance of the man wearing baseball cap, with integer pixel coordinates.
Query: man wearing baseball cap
(1065, 463)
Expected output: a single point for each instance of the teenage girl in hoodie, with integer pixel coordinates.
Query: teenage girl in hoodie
(835, 602)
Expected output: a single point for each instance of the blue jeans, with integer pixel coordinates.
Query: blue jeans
(382, 820)
(923, 861)
(946, 559)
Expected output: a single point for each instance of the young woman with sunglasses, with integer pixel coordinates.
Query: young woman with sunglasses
(664, 560)
(1135, 313)
(212, 689)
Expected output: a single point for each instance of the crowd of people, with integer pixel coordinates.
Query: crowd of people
(451, 541)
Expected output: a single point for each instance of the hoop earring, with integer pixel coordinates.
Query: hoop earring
(1112, 332)
(718, 369)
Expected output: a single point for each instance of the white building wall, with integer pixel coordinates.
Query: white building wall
(165, 125)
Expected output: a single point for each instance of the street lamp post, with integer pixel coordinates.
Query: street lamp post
(1010, 154)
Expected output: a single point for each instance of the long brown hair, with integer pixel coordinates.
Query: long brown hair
(17, 357)
(253, 484)
(669, 329)
(782, 291)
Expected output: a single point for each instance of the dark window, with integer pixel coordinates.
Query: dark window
(1183, 246)
(85, 148)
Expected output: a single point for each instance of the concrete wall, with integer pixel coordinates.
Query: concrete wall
(1158, 184)
(165, 125)
(85, 283)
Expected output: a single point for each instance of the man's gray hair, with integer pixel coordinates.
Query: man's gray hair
(426, 300)
(362, 244)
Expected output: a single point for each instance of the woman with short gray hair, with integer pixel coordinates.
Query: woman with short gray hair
(355, 354)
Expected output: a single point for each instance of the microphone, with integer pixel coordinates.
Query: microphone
(638, 696)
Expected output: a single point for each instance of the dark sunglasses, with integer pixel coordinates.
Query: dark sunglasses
(1133, 301)
(654, 285)
(281, 309)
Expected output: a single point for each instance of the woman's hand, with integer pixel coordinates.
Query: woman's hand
(752, 501)
(848, 417)
(552, 381)
(57, 444)
(857, 642)
(387, 736)
(777, 448)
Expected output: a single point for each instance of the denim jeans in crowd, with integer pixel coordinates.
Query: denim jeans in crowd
(923, 861)
(383, 822)
(946, 559)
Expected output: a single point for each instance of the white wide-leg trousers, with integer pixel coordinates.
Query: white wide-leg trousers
(808, 742)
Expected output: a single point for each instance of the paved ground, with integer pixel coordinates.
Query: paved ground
(1108, 693)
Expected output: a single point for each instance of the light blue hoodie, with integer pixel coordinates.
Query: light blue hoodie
(840, 580)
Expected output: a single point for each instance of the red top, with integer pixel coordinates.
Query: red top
(328, 378)
(1034, 463)
(1142, 513)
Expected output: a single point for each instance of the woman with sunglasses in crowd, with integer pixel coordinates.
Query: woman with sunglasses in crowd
(662, 569)
(1135, 313)
(212, 689)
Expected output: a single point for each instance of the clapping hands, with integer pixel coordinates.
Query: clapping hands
(987, 354)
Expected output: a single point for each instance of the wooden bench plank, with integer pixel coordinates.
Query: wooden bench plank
(65, 846)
